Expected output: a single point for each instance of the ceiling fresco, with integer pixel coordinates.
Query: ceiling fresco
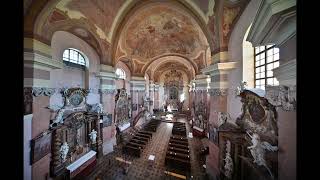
(161, 30)
(138, 32)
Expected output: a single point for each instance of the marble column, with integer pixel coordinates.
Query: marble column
(137, 91)
(38, 65)
(156, 97)
(108, 92)
(151, 95)
(218, 90)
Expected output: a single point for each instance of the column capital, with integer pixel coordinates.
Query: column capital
(219, 57)
(219, 68)
(282, 96)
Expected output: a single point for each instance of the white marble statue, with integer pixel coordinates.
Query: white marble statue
(258, 150)
(242, 86)
(93, 136)
(223, 117)
(64, 151)
(59, 117)
(98, 108)
(228, 165)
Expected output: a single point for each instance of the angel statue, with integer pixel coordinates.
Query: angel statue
(258, 150)
(64, 151)
(93, 136)
(59, 117)
(242, 86)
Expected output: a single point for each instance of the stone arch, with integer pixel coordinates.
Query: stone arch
(236, 53)
(132, 7)
(155, 63)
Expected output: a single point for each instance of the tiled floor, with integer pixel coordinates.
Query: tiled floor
(141, 168)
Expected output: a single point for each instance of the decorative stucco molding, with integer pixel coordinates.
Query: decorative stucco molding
(274, 23)
(40, 61)
(286, 73)
(107, 91)
(282, 96)
(218, 92)
(219, 68)
(43, 91)
(137, 90)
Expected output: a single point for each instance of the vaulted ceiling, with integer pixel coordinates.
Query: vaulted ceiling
(138, 32)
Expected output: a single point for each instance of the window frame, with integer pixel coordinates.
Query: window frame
(266, 49)
(70, 60)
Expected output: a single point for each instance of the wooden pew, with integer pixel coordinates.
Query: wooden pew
(141, 138)
(178, 155)
(131, 150)
(178, 142)
(146, 135)
(146, 132)
(179, 146)
(142, 135)
(175, 162)
(181, 138)
(138, 141)
(136, 145)
(179, 150)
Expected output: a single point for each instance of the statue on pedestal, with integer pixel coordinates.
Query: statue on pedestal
(64, 151)
(258, 150)
(93, 136)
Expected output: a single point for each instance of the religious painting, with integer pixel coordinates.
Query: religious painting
(40, 147)
(107, 120)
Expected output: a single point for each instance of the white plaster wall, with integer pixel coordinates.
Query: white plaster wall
(27, 168)
(72, 77)
(235, 55)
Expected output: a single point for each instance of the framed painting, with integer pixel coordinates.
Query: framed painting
(40, 146)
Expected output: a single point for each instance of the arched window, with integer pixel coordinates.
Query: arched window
(266, 59)
(73, 56)
(120, 74)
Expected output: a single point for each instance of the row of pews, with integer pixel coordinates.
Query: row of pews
(178, 151)
(179, 128)
(152, 125)
(140, 139)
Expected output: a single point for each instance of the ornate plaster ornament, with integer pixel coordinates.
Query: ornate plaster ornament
(282, 96)
(38, 91)
(258, 150)
(242, 86)
(228, 166)
(107, 91)
(218, 92)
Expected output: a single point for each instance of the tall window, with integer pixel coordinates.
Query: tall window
(73, 56)
(266, 59)
(120, 74)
